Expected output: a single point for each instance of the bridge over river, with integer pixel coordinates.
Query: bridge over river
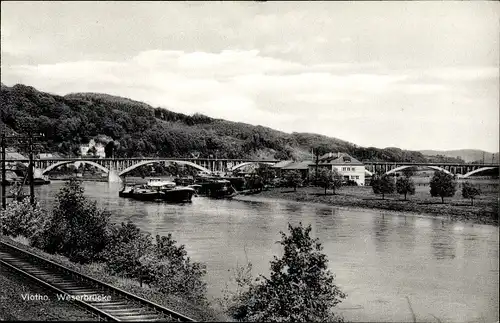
(119, 167)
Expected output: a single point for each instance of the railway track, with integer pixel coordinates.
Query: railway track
(104, 301)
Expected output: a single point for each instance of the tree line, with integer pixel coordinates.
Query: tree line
(135, 129)
(441, 184)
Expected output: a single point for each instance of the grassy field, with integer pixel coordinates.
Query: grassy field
(484, 211)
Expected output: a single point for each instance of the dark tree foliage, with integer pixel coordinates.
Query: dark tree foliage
(469, 191)
(405, 186)
(126, 247)
(409, 171)
(383, 185)
(265, 173)
(293, 178)
(138, 130)
(173, 272)
(328, 178)
(443, 185)
(77, 228)
(300, 288)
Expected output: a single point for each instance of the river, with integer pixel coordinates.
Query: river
(381, 260)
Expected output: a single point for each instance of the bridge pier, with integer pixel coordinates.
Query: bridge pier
(113, 176)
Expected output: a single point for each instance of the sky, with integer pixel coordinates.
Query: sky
(412, 75)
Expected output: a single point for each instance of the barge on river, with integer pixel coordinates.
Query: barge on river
(216, 188)
(157, 189)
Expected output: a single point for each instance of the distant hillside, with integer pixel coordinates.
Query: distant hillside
(468, 155)
(141, 130)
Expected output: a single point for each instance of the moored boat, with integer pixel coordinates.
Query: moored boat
(41, 180)
(145, 193)
(218, 189)
(158, 189)
(126, 191)
(177, 194)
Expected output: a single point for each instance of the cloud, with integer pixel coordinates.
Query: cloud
(337, 99)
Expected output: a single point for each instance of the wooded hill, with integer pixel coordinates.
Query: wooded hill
(137, 129)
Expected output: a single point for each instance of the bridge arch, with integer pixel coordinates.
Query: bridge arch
(482, 169)
(248, 163)
(146, 162)
(51, 167)
(397, 169)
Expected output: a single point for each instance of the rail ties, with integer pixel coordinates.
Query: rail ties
(101, 299)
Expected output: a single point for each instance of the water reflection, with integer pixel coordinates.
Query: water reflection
(449, 270)
(381, 232)
(442, 242)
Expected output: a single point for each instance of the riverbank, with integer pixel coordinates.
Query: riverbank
(484, 211)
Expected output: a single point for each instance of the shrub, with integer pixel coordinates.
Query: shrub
(127, 250)
(172, 272)
(443, 185)
(77, 228)
(20, 218)
(300, 289)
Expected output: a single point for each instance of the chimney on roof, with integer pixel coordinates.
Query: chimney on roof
(338, 154)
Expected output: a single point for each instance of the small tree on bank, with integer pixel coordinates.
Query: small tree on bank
(383, 185)
(301, 288)
(405, 185)
(293, 179)
(443, 185)
(469, 191)
(329, 179)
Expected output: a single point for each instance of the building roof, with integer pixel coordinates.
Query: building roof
(282, 164)
(299, 165)
(14, 156)
(338, 159)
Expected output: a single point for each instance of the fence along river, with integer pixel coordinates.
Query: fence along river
(381, 260)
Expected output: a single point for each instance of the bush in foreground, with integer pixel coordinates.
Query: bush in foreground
(301, 288)
(172, 271)
(77, 228)
(20, 218)
(131, 253)
(125, 251)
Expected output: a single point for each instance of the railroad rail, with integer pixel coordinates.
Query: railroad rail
(104, 301)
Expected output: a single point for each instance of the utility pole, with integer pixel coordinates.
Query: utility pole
(30, 167)
(30, 171)
(4, 180)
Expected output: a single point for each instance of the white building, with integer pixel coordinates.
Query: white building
(84, 149)
(349, 167)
